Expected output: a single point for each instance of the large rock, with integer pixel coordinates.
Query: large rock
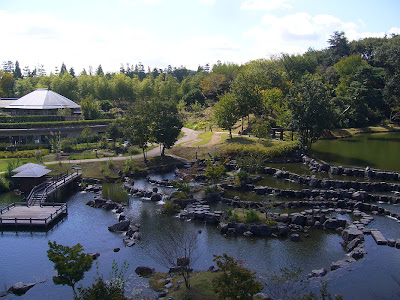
(317, 273)
(350, 234)
(121, 226)
(353, 244)
(109, 205)
(295, 237)
(20, 288)
(334, 223)
(156, 197)
(240, 228)
(260, 230)
(298, 219)
(144, 271)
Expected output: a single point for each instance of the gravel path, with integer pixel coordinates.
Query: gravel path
(189, 134)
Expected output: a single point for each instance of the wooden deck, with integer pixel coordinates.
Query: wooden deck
(18, 214)
(35, 212)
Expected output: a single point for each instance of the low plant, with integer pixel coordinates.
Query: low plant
(251, 216)
(235, 281)
(170, 208)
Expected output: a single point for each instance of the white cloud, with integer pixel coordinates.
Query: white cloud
(295, 33)
(267, 5)
(207, 1)
(136, 2)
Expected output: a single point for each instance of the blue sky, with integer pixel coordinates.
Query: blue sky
(159, 33)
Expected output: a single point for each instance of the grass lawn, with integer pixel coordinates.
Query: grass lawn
(201, 286)
(205, 138)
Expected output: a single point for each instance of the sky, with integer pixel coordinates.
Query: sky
(189, 33)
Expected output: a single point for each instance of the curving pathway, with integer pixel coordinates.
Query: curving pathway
(189, 134)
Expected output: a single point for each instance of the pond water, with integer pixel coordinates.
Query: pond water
(377, 150)
(23, 254)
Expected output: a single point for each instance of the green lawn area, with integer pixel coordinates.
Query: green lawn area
(205, 138)
(201, 286)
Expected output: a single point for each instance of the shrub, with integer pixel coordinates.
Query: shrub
(22, 154)
(242, 175)
(4, 184)
(170, 208)
(281, 149)
(235, 282)
(251, 217)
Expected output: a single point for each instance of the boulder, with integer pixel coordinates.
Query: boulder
(223, 227)
(121, 226)
(350, 234)
(94, 255)
(260, 230)
(295, 237)
(20, 288)
(353, 244)
(334, 223)
(109, 205)
(156, 197)
(240, 228)
(317, 273)
(262, 296)
(341, 263)
(298, 219)
(144, 271)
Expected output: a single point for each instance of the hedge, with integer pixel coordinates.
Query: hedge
(30, 118)
(274, 151)
(6, 146)
(54, 124)
(22, 154)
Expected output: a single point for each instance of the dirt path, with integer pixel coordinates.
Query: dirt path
(189, 134)
(215, 139)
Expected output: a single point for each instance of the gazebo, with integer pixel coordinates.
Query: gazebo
(43, 102)
(30, 175)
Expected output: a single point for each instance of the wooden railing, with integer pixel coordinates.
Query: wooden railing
(51, 185)
(34, 221)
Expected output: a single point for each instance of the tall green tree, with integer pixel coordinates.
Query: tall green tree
(165, 123)
(69, 262)
(226, 112)
(17, 71)
(137, 126)
(311, 110)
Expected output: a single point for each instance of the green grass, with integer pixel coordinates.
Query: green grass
(205, 138)
(4, 162)
(201, 286)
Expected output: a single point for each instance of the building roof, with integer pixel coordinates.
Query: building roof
(27, 167)
(30, 170)
(43, 99)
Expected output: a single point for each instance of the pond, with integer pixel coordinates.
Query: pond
(23, 254)
(377, 150)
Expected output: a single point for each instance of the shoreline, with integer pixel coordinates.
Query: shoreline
(341, 133)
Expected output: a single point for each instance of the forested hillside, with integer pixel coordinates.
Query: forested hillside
(348, 84)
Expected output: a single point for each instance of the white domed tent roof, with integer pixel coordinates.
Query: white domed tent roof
(43, 99)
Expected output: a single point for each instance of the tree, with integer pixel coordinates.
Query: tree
(339, 46)
(235, 282)
(137, 126)
(165, 125)
(17, 71)
(214, 171)
(90, 108)
(63, 69)
(311, 111)
(115, 130)
(112, 289)
(69, 262)
(175, 249)
(214, 85)
(86, 134)
(226, 112)
(99, 70)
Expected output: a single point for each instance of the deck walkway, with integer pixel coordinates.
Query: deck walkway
(35, 212)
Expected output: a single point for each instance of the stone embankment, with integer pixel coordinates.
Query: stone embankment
(316, 166)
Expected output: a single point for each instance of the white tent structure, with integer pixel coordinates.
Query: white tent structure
(42, 102)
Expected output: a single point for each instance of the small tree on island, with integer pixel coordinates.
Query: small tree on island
(235, 282)
(175, 249)
(70, 263)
